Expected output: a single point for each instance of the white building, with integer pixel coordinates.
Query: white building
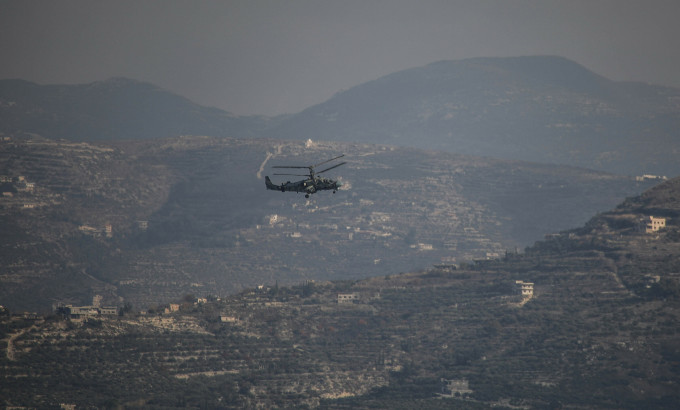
(526, 289)
(347, 297)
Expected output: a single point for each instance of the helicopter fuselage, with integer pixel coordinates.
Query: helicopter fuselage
(311, 184)
(308, 186)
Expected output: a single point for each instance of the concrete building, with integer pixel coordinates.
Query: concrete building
(347, 297)
(455, 388)
(108, 310)
(526, 289)
(649, 177)
(81, 312)
(650, 224)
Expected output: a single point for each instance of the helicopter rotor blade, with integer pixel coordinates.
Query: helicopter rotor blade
(309, 167)
(328, 160)
(334, 166)
(295, 175)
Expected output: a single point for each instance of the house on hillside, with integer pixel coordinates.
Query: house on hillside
(526, 289)
(348, 297)
(228, 319)
(108, 310)
(650, 224)
(82, 312)
(648, 177)
(106, 230)
(455, 388)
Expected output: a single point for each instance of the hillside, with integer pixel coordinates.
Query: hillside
(599, 331)
(114, 109)
(540, 109)
(149, 221)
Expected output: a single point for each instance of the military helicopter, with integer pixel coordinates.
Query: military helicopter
(310, 185)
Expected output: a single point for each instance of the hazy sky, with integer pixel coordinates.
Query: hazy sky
(281, 56)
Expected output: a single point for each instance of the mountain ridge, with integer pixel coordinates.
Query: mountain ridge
(533, 108)
(113, 109)
(544, 109)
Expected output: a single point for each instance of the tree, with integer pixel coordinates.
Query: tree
(126, 309)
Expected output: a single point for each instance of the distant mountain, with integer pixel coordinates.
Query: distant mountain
(542, 109)
(114, 109)
(191, 215)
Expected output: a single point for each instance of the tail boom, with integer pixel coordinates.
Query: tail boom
(270, 185)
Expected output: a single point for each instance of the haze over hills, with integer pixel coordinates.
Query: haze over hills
(599, 329)
(144, 219)
(540, 109)
(118, 108)
(191, 215)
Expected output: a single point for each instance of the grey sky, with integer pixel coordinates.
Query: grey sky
(274, 56)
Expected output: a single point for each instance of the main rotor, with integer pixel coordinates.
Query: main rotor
(312, 174)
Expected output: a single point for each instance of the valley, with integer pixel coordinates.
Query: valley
(598, 329)
(147, 222)
(505, 237)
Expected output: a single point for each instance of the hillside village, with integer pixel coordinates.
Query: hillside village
(148, 222)
(143, 264)
(524, 330)
(477, 324)
(646, 225)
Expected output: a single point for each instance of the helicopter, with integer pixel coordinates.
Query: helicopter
(311, 184)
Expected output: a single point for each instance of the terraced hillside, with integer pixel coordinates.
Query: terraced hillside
(148, 222)
(598, 331)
